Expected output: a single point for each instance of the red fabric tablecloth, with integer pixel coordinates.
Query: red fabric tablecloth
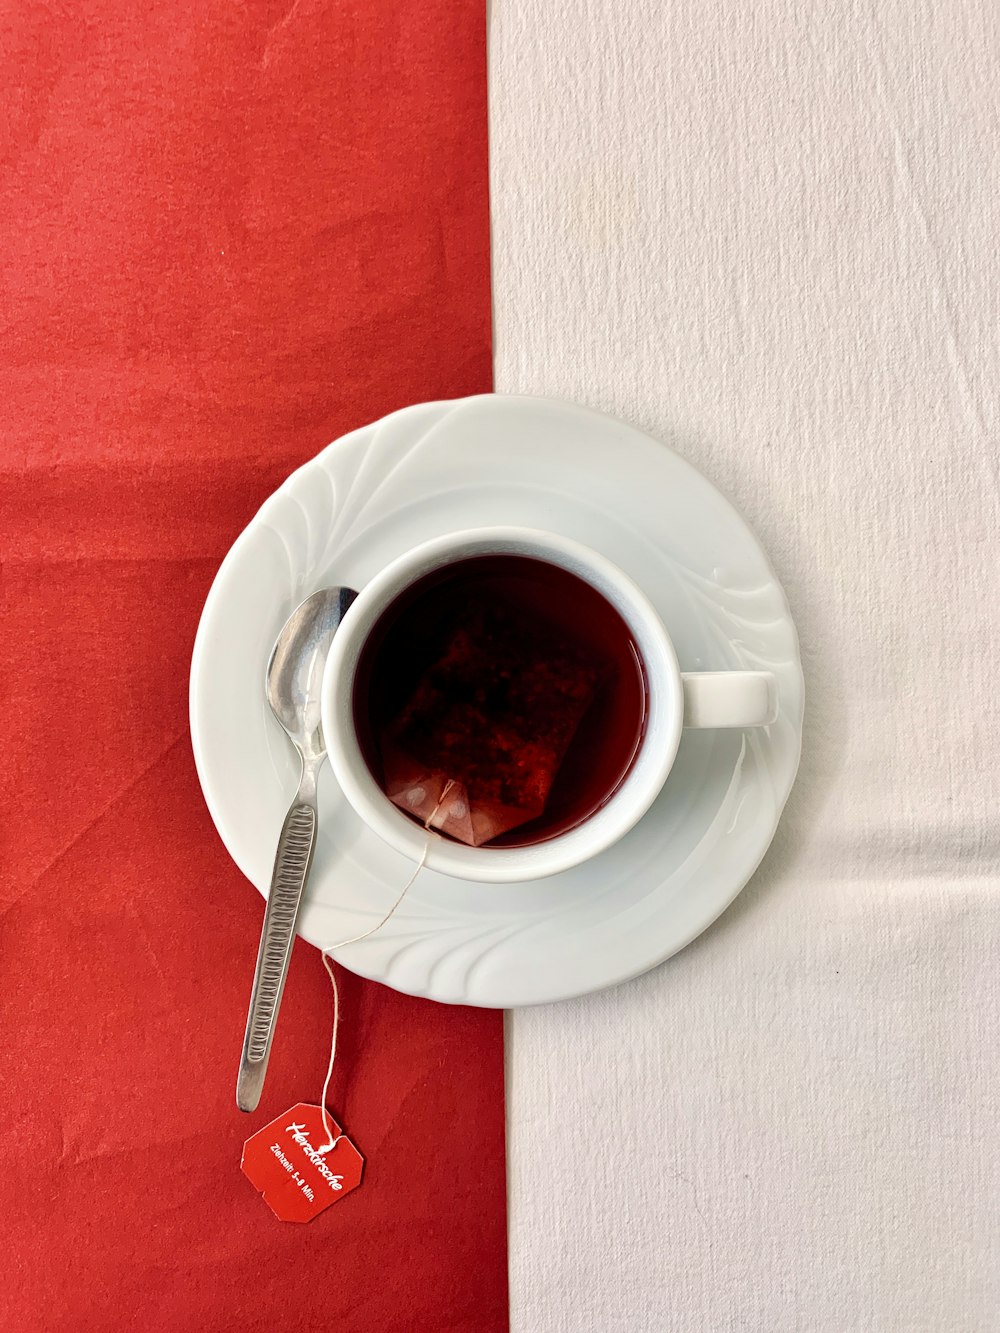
(231, 232)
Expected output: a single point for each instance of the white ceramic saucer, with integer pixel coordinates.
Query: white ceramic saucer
(441, 467)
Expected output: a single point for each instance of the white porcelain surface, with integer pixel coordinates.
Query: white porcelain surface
(442, 467)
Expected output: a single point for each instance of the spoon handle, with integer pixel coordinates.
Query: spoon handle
(291, 869)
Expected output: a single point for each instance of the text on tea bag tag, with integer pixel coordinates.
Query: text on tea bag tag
(284, 1161)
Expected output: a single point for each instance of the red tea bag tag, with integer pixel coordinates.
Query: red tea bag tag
(284, 1163)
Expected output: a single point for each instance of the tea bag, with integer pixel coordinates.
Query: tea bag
(477, 747)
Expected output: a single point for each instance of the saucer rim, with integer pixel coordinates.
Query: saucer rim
(436, 411)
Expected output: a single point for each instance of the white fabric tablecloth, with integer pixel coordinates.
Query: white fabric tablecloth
(768, 233)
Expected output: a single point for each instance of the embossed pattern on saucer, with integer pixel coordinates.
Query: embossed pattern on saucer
(439, 467)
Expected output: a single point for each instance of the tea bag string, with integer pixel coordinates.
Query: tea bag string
(328, 964)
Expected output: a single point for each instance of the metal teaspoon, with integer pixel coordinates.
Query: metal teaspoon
(294, 674)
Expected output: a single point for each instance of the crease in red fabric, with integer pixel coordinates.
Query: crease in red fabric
(231, 234)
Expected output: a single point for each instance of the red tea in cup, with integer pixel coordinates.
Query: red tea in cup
(500, 700)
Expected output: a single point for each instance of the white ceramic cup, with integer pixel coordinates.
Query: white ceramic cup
(675, 700)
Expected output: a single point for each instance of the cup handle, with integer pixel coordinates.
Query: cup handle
(729, 698)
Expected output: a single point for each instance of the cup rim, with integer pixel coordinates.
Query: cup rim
(623, 808)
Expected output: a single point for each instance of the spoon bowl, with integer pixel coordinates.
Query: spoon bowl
(295, 670)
